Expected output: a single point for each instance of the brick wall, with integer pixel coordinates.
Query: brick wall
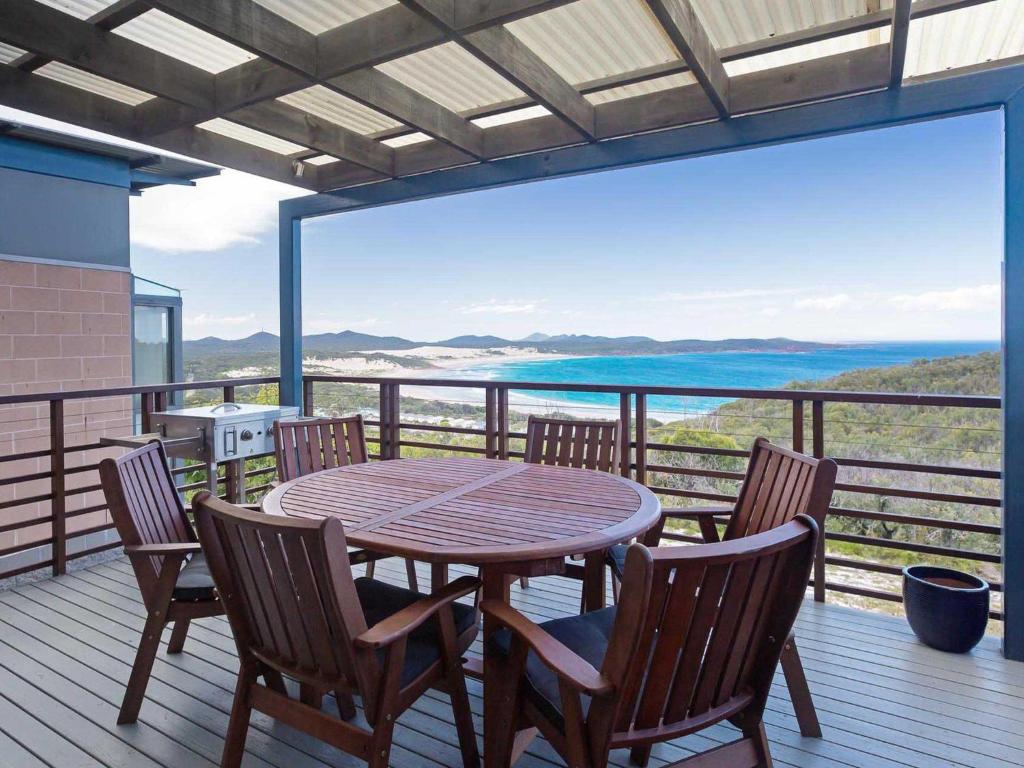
(61, 328)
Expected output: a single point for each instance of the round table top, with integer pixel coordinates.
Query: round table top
(472, 511)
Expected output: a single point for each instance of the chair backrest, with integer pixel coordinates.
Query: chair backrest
(779, 485)
(145, 506)
(699, 632)
(309, 445)
(570, 443)
(287, 590)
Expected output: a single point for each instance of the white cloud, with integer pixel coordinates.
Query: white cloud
(979, 297)
(770, 312)
(508, 307)
(739, 293)
(836, 301)
(230, 209)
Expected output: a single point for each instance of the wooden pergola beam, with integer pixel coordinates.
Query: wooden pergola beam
(898, 41)
(56, 100)
(61, 37)
(687, 33)
(240, 23)
(504, 53)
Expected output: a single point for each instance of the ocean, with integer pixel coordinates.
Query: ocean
(717, 369)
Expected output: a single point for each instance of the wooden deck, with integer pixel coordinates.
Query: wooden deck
(66, 645)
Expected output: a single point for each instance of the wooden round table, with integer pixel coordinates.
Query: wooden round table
(508, 518)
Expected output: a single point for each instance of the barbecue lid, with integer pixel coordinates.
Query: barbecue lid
(226, 413)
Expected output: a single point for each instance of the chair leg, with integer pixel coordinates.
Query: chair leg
(457, 690)
(346, 706)
(274, 681)
(149, 644)
(799, 692)
(371, 568)
(524, 582)
(615, 589)
(640, 755)
(238, 724)
(760, 740)
(178, 634)
(310, 696)
(410, 572)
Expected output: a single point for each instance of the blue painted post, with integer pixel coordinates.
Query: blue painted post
(290, 287)
(1013, 383)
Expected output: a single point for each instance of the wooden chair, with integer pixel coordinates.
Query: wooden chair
(159, 540)
(310, 445)
(295, 610)
(779, 485)
(695, 640)
(587, 444)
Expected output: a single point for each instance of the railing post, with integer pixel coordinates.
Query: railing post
(307, 397)
(384, 428)
(818, 450)
(625, 406)
(146, 408)
(58, 503)
(491, 422)
(234, 471)
(396, 422)
(641, 438)
(798, 426)
(502, 422)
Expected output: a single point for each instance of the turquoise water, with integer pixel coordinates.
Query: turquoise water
(717, 369)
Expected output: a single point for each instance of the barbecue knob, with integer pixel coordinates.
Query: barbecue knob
(246, 434)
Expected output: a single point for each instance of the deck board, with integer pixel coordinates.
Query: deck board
(66, 646)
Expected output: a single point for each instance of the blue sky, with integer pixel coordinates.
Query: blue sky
(892, 234)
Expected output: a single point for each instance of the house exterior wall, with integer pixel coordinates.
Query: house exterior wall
(65, 324)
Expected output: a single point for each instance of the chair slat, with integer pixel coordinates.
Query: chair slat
(311, 445)
(573, 443)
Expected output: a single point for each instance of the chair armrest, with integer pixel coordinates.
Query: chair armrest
(572, 669)
(695, 513)
(158, 550)
(409, 618)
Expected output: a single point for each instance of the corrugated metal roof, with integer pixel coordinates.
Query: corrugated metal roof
(332, 106)
(318, 16)
(320, 160)
(250, 136)
(641, 88)
(93, 83)
(809, 51)
(591, 39)
(81, 9)
(9, 53)
(166, 34)
(452, 77)
(968, 36)
(513, 116)
(404, 141)
(732, 22)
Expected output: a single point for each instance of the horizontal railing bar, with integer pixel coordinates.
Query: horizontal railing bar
(89, 394)
(698, 449)
(927, 522)
(692, 494)
(694, 472)
(934, 469)
(413, 427)
(16, 548)
(28, 568)
(25, 455)
(909, 493)
(94, 550)
(83, 489)
(26, 478)
(26, 500)
(441, 447)
(887, 398)
(889, 570)
(17, 526)
(910, 546)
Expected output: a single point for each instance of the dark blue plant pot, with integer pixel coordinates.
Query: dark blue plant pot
(946, 609)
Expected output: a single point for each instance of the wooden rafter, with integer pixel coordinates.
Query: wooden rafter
(343, 59)
(898, 41)
(502, 51)
(687, 33)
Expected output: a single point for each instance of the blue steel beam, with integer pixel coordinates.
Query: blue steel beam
(290, 287)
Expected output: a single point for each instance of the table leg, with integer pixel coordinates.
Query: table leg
(593, 581)
(495, 587)
(438, 576)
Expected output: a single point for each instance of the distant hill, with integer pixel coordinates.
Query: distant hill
(336, 344)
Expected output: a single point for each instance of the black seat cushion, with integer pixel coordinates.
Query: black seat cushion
(380, 600)
(616, 559)
(586, 635)
(195, 581)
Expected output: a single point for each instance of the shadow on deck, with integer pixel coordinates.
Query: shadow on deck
(66, 646)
